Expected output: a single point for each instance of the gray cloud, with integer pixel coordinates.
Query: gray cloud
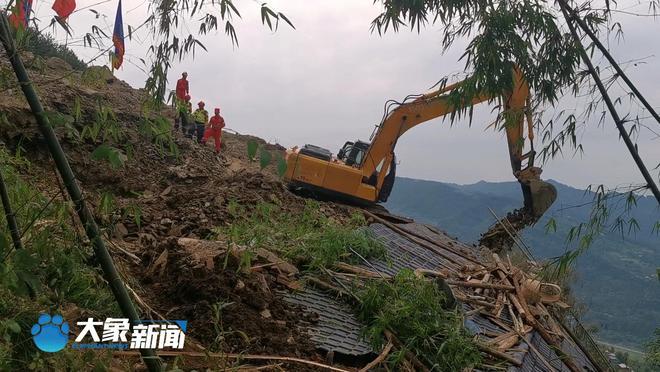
(326, 82)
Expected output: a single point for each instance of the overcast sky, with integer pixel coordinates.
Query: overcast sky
(326, 82)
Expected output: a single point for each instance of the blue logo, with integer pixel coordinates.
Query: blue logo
(50, 334)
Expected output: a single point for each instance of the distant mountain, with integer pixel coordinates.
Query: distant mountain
(616, 278)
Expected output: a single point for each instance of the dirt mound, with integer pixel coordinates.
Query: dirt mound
(156, 198)
(228, 309)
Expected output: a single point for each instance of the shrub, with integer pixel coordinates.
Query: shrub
(416, 311)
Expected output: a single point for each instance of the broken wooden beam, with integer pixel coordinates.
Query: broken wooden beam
(481, 285)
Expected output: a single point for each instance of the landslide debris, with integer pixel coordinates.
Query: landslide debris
(167, 192)
(164, 200)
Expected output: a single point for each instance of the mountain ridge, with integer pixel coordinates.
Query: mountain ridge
(616, 275)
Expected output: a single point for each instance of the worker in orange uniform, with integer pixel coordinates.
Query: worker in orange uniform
(214, 129)
(181, 101)
(182, 88)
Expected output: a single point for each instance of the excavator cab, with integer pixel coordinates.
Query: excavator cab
(352, 153)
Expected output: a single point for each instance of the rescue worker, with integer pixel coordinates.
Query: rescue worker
(183, 108)
(201, 117)
(182, 88)
(182, 91)
(214, 130)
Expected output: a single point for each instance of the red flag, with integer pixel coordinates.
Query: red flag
(64, 8)
(21, 14)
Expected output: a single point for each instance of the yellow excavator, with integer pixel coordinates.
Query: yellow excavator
(364, 172)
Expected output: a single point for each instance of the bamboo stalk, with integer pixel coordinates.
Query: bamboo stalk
(413, 359)
(498, 354)
(610, 59)
(480, 285)
(475, 311)
(610, 106)
(9, 215)
(359, 271)
(380, 357)
(239, 356)
(13, 226)
(100, 251)
(473, 301)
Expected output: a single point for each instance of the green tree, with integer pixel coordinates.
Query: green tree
(653, 350)
(533, 35)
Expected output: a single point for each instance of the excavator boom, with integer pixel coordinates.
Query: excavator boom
(365, 171)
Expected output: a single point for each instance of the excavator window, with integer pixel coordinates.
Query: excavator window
(341, 155)
(353, 153)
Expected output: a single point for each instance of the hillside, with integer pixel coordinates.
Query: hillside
(152, 188)
(264, 278)
(616, 275)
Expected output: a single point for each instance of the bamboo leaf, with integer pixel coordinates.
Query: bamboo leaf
(112, 155)
(551, 225)
(280, 15)
(13, 326)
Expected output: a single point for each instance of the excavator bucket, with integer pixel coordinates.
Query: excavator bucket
(543, 194)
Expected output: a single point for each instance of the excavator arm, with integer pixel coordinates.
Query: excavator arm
(537, 195)
(364, 172)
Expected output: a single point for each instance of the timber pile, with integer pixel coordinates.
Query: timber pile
(492, 290)
(502, 292)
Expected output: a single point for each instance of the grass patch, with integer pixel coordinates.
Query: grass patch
(45, 46)
(415, 310)
(55, 264)
(309, 237)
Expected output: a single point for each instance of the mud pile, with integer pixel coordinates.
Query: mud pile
(501, 235)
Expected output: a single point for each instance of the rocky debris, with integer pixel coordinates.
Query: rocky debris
(194, 279)
(166, 206)
(500, 236)
(204, 252)
(120, 231)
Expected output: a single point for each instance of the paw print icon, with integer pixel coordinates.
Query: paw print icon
(50, 334)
